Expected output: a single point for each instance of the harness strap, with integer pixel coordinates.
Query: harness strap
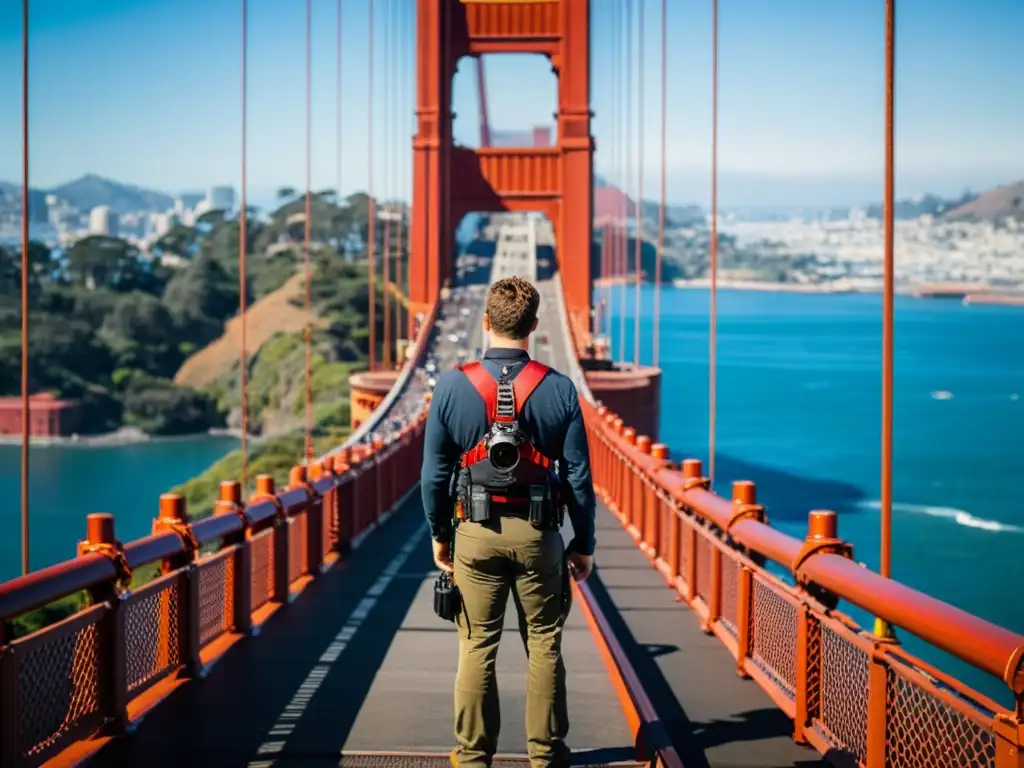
(523, 385)
(485, 385)
(526, 382)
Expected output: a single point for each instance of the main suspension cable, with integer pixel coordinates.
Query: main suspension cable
(713, 332)
(661, 203)
(371, 210)
(26, 408)
(308, 237)
(243, 245)
(638, 217)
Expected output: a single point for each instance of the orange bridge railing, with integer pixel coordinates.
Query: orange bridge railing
(67, 687)
(849, 693)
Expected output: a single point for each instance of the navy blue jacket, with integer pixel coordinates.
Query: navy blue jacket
(551, 418)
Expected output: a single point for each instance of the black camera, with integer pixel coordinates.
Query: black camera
(503, 447)
(447, 600)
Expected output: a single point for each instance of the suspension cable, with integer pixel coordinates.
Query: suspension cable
(402, 106)
(639, 215)
(613, 156)
(26, 408)
(243, 244)
(888, 309)
(338, 114)
(713, 332)
(308, 237)
(387, 190)
(628, 177)
(371, 211)
(661, 203)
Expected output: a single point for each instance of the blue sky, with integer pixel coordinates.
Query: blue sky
(147, 92)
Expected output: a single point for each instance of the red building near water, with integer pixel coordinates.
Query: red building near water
(49, 417)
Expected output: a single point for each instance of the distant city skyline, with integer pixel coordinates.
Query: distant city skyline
(147, 93)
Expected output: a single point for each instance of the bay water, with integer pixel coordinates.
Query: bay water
(798, 412)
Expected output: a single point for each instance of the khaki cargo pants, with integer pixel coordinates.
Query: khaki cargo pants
(507, 553)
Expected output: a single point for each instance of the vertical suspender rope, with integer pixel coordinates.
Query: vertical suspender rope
(627, 176)
(371, 209)
(613, 157)
(309, 223)
(713, 332)
(638, 217)
(400, 168)
(243, 237)
(388, 192)
(885, 561)
(661, 203)
(338, 117)
(26, 409)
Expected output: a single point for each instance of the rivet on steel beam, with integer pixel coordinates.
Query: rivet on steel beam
(618, 425)
(629, 435)
(99, 528)
(659, 451)
(744, 492)
(265, 484)
(172, 507)
(230, 490)
(297, 475)
(643, 442)
(692, 468)
(822, 524)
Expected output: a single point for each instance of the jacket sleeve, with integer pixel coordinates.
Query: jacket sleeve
(582, 502)
(440, 456)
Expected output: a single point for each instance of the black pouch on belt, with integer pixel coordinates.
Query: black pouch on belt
(447, 600)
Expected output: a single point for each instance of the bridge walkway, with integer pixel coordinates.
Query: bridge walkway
(360, 663)
(715, 718)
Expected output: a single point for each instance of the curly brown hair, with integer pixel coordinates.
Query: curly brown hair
(512, 304)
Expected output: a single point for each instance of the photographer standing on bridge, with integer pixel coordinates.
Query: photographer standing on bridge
(504, 422)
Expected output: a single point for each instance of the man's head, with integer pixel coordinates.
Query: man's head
(510, 315)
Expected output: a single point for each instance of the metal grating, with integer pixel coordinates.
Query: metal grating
(413, 760)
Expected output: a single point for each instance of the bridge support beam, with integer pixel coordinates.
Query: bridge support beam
(449, 183)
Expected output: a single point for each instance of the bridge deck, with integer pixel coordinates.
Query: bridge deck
(360, 663)
(715, 718)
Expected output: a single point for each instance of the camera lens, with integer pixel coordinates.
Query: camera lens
(504, 455)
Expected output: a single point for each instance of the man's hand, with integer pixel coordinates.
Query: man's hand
(443, 555)
(580, 566)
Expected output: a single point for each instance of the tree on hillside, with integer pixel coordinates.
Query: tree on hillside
(99, 261)
(284, 193)
(210, 219)
(203, 290)
(180, 241)
(142, 335)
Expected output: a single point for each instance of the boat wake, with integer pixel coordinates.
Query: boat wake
(959, 516)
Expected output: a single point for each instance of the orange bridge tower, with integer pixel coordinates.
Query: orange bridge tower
(449, 182)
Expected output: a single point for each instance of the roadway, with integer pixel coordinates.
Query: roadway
(360, 665)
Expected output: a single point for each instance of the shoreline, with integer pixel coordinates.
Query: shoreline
(967, 294)
(121, 437)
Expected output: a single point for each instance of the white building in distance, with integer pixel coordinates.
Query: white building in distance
(102, 221)
(220, 199)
